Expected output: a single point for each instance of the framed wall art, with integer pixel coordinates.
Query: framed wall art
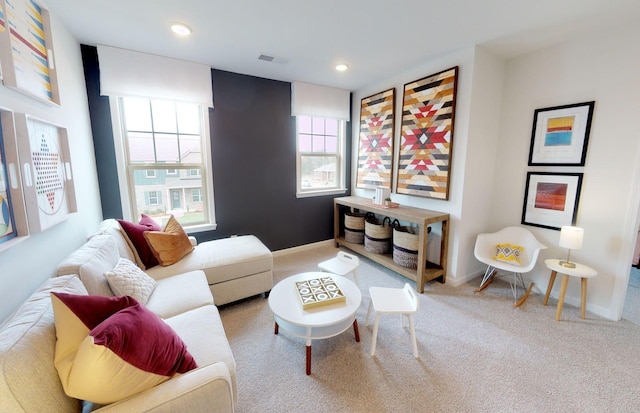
(46, 172)
(375, 147)
(428, 109)
(13, 218)
(26, 50)
(560, 135)
(551, 199)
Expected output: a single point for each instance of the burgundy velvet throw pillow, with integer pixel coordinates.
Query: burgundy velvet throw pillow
(130, 351)
(137, 241)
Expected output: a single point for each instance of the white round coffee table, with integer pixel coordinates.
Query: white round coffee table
(319, 322)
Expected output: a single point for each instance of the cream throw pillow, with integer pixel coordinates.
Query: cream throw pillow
(127, 279)
(169, 245)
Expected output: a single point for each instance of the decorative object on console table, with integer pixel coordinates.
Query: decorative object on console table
(551, 199)
(375, 153)
(46, 166)
(427, 135)
(571, 239)
(560, 135)
(26, 50)
(318, 291)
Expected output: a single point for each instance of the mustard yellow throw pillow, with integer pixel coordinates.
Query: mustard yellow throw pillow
(170, 244)
(508, 253)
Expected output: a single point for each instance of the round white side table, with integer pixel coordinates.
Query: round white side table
(581, 271)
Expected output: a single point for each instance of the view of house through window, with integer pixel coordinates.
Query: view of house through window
(163, 143)
(320, 146)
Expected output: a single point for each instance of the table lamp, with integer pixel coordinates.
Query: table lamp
(570, 238)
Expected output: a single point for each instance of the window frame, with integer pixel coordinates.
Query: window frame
(126, 172)
(341, 145)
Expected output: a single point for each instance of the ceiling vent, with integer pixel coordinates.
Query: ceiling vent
(273, 59)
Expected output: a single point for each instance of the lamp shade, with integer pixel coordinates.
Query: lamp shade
(571, 237)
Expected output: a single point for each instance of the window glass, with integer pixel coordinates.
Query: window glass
(320, 162)
(164, 160)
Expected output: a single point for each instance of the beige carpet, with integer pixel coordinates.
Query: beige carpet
(477, 354)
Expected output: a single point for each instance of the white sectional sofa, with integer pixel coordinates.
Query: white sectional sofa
(218, 271)
(236, 267)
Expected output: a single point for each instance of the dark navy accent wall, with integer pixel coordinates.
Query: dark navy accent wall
(254, 161)
(102, 136)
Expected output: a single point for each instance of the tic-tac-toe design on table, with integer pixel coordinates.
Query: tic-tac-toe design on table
(318, 291)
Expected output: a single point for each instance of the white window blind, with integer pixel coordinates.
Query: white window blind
(126, 73)
(319, 101)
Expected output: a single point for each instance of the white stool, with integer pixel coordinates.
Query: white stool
(343, 264)
(393, 301)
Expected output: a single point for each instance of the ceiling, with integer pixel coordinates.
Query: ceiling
(376, 38)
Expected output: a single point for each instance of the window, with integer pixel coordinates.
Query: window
(320, 156)
(166, 141)
(151, 198)
(196, 195)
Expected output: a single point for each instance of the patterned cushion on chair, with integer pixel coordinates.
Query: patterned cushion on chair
(508, 253)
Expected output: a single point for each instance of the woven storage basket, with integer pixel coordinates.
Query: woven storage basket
(354, 227)
(377, 234)
(405, 247)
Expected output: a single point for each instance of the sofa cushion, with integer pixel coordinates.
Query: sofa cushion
(112, 227)
(126, 278)
(135, 236)
(222, 260)
(130, 351)
(206, 349)
(30, 382)
(180, 293)
(170, 244)
(91, 261)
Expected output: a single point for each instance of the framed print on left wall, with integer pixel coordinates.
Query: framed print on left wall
(26, 50)
(551, 199)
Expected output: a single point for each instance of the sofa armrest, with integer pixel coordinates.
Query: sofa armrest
(206, 389)
(193, 240)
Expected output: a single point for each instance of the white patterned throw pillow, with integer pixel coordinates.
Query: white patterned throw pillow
(127, 279)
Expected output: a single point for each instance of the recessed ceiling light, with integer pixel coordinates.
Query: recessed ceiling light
(181, 29)
(341, 67)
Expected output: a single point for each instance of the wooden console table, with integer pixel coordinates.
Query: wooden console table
(422, 217)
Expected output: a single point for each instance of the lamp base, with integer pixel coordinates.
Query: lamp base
(567, 264)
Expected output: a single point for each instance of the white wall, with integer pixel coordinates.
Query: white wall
(601, 66)
(27, 264)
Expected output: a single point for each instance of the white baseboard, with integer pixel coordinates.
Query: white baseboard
(304, 247)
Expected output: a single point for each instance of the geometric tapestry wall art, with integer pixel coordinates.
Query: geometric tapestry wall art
(375, 153)
(426, 135)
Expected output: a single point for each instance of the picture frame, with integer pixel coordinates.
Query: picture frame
(426, 135)
(26, 50)
(13, 217)
(376, 139)
(551, 199)
(560, 135)
(47, 176)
